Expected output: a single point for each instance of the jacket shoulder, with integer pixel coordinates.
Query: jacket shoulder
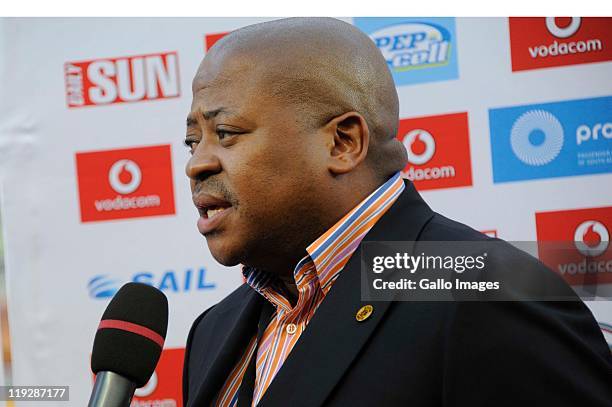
(440, 227)
(233, 300)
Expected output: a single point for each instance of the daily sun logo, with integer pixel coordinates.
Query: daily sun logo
(551, 140)
(416, 49)
(121, 80)
(438, 151)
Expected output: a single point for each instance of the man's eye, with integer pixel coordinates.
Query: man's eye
(222, 134)
(190, 143)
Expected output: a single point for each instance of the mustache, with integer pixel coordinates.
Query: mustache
(214, 186)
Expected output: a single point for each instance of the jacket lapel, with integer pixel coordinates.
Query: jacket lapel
(227, 342)
(333, 337)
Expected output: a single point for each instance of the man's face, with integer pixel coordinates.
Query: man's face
(254, 170)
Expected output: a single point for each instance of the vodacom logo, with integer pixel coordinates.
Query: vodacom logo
(591, 238)
(562, 32)
(125, 176)
(420, 146)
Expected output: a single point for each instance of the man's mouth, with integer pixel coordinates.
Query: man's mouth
(212, 211)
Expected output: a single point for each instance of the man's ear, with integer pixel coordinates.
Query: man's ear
(350, 140)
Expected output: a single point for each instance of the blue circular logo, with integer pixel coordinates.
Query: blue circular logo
(536, 137)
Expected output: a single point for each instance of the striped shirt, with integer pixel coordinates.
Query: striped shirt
(314, 276)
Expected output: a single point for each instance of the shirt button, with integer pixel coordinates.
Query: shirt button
(291, 329)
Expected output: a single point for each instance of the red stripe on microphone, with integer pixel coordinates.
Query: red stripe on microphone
(133, 328)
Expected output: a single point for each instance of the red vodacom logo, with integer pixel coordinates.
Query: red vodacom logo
(127, 183)
(438, 151)
(586, 256)
(542, 42)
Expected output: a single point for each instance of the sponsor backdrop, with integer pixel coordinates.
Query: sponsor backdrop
(507, 124)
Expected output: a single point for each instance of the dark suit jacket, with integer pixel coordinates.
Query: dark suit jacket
(413, 353)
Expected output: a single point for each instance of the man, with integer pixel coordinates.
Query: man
(294, 163)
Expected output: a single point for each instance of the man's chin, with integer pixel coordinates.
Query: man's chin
(223, 254)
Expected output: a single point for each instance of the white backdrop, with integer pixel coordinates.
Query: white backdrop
(58, 258)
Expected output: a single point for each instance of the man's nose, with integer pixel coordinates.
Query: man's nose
(203, 163)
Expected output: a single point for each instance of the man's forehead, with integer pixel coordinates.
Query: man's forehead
(237, 85)
(221, 68)
(212, 90)
(208, 114)
(217, 98)
(208, 79)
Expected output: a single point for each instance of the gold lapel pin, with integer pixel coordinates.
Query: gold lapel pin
(364, 313)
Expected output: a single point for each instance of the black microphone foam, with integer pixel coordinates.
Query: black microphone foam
(131, 334)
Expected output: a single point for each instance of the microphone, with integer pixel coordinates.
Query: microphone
(128, 344)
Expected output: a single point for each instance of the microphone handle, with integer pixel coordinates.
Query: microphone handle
(111, 390)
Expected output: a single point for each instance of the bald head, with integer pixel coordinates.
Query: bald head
(324, 67)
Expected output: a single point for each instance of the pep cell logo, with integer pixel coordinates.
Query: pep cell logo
(438, 151)
(416, 49)
(551, 140)
(576, 244)
(413, 45)
(127, 183)
(538, 42)
(122, 80)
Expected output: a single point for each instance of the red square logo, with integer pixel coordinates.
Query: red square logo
(211, 39)
(438, 150)
(576, 244)
(543, 42)
(126, 183)
(121, 80)
(165, 386)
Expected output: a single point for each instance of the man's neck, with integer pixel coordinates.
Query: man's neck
(284, 266)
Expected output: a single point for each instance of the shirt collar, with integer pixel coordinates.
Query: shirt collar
(331, 251)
